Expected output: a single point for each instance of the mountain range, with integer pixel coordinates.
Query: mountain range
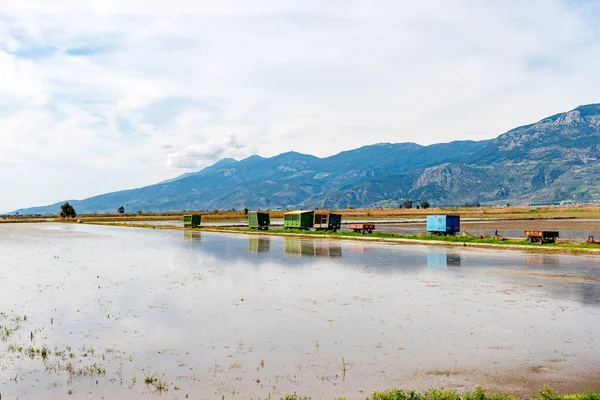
(554, 160)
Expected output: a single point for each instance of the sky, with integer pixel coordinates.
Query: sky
(105, 95)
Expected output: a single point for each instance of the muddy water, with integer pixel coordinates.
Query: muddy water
(212, 315)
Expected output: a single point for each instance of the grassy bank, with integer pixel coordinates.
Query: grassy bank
(389, 235)
(546, 393)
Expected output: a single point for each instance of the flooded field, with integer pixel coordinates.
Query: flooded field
(121, 313)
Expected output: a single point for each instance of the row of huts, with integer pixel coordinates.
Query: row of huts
(304, 219)
(323, 220)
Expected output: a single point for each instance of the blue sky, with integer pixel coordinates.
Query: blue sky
(98, 96)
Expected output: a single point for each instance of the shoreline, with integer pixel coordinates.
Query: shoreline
(426, 242)
(547, 249)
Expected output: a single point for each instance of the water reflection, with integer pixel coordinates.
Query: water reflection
(587, 293)
(590, 293)
(259, 244)
(298, 247)
(442, 258)
(327, 248)
(541, 259)
(311, 248)
(191, 236)
(359, 248)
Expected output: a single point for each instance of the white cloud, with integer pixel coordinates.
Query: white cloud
(202, 154)
(20, 82)
(127, 93)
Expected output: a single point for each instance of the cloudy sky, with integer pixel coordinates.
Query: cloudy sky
(103, 95)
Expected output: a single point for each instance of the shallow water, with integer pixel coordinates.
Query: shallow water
(242, 316)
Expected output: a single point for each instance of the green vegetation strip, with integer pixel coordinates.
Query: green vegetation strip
(427, 239)
(546, 393)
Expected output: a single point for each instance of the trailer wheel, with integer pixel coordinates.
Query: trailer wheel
(541, 241)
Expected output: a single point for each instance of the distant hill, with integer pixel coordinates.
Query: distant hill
(556, 159)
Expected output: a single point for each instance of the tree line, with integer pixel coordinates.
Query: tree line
(409, 204)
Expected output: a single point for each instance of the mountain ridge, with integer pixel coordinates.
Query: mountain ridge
(554, 159)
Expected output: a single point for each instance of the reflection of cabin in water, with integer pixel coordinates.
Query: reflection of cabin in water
(311, 248)
(327, 249)
(438, 258)
(298, 247)
(259, 245)
(541, 259)
(191, 236)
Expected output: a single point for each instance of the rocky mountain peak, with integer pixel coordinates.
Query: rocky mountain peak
(582, 122)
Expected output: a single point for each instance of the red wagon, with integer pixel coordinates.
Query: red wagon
(362, 228)
(592, 241)
(541, 236)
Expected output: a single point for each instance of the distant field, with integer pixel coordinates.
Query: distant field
(515, 213)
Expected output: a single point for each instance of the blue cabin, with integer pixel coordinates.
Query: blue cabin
(443, 224)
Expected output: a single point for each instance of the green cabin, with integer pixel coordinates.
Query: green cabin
(298, 219)
(258, 220)
(192, 220)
